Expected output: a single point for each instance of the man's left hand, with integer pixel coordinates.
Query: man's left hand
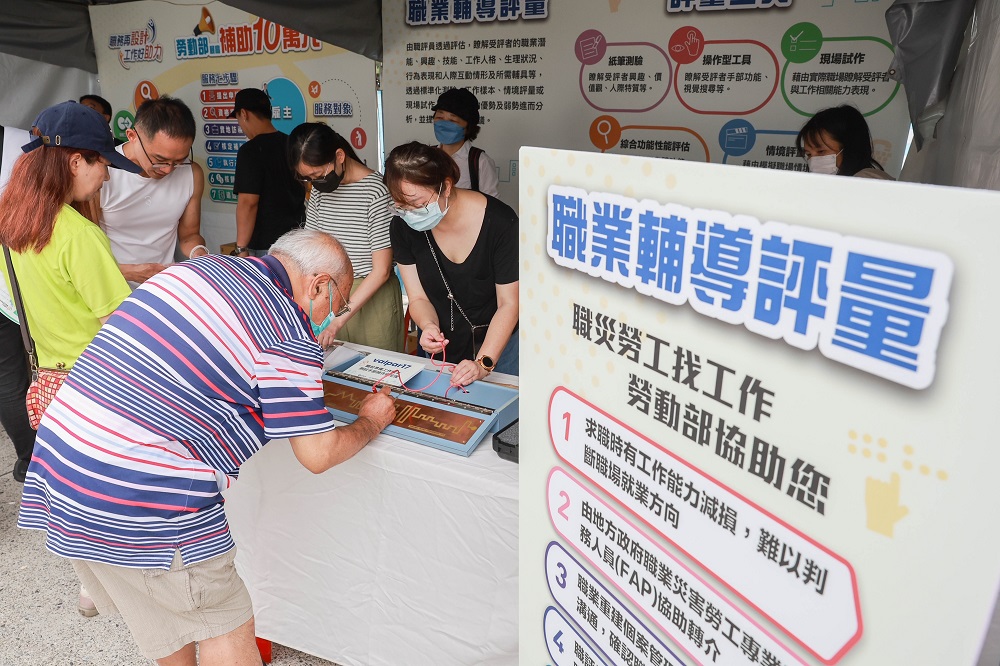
(329, 335)
(140, 272)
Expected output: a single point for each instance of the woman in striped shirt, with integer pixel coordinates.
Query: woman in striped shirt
(349, 201)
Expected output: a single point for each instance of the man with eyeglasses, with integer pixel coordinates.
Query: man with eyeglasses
(207, 363)
(148, 215)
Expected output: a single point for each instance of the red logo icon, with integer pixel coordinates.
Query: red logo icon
(358, 137)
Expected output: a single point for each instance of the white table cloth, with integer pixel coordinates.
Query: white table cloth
(403, 555)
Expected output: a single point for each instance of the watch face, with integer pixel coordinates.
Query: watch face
(486, 362)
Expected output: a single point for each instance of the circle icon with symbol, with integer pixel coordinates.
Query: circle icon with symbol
(802, 42)
(358, 138)
(288, 106)
(591, 47)
(144, 91)
(314, 89)
(605, 132)
(122, 121)
(737, 137)
(686, 44)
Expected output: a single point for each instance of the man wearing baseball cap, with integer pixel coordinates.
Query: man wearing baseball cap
(456, 125)
(269, 201)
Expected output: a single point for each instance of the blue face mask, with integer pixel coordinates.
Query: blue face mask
(319, 328)
(448, 132)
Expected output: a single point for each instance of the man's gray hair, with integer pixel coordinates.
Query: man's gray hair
(311, 252)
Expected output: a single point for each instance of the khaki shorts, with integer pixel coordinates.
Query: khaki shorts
(166, 610)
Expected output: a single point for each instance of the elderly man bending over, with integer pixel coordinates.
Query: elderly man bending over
(192, 375)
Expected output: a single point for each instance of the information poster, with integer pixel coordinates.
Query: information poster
(756, 427)
(203, 55)
(728, 81)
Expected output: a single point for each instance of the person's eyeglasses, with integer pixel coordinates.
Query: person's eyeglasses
(346, 307)
(321, 179)
(398, 210)
(160, 166)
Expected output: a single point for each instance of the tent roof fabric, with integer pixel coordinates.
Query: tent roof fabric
(58, 31)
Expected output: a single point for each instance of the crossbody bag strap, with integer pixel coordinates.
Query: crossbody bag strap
(452, 302)
(474, 155)
(22, 317)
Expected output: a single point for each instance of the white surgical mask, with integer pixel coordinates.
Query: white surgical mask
(824, 164)
(424, 220)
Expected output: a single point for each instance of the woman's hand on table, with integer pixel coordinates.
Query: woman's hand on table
(467, 372)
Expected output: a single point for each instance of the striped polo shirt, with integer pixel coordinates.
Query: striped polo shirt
(356, 214)
(198, 369)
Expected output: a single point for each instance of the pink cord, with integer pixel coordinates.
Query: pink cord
(441, 366)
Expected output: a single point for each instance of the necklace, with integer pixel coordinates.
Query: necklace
(452, 303)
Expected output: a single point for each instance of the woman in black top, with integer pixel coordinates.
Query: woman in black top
(457, 253)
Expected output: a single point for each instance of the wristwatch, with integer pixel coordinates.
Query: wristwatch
(486, 363)
(238, 250)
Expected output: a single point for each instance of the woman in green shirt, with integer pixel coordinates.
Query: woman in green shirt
(69, 280)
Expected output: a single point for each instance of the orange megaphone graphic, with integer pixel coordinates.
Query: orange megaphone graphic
(206, 24)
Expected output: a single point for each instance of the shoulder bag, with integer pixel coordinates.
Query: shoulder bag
(45, 382)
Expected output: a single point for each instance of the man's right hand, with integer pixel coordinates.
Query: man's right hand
(140, 272)
(321, 451)
(379, 408)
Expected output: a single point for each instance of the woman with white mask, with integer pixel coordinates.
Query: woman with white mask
(837, 141)
(457, 252)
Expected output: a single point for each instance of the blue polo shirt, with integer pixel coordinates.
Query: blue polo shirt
(191, 376)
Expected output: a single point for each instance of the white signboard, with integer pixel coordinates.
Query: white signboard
(385, 370)
(728, 81)
(752, 415)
